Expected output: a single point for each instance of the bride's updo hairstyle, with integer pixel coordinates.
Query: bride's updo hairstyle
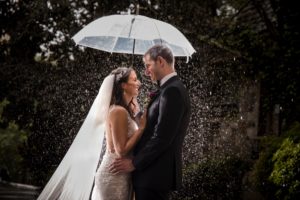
(121, 76)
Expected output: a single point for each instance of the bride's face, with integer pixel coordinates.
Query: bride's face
(131, 87)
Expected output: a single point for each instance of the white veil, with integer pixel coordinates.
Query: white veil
(74, 177)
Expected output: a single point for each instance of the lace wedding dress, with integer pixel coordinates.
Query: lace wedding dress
(109, 186)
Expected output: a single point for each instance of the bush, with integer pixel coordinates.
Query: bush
(213, 179)
(11, 140)
(286, 170)
(277, 172)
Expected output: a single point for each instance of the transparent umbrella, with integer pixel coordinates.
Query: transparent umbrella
(132, 34)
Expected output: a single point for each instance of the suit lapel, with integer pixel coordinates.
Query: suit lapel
(153, 99)
(172, 79)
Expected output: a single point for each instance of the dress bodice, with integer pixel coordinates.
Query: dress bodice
(132, 127)
(111, 186)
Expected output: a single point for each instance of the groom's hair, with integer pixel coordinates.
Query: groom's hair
(162, 51)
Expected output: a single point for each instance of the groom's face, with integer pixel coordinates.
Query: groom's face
(152, 68)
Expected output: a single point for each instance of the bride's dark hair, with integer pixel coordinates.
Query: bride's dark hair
(121, 76)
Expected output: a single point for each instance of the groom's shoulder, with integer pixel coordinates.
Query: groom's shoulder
(176, 82)
(171, 90)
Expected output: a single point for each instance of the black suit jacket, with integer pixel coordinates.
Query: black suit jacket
(158, 154)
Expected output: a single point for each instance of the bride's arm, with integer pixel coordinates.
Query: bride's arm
(118, 119)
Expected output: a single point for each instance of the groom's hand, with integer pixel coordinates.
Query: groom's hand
(121, 165)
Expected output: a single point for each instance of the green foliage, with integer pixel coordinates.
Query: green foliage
(42, 30)
(263, 165)
(2, 105)
(276, 173)
(286, 173)
(11, 139)
(213, 179)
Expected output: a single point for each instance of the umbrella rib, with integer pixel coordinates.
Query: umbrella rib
(132, 21)
(118, 37)
(187, 54)
(158, 32)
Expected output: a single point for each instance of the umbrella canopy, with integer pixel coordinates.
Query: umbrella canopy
(132, 34)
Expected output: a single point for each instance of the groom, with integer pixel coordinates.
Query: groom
(157, 161)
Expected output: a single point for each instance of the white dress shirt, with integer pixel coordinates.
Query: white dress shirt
(167, 77)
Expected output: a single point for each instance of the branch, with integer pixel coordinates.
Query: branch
(262, 13)
(214, 42)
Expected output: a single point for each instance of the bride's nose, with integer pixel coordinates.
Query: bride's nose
(139, 83)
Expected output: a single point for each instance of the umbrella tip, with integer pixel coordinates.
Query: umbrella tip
(187, 59)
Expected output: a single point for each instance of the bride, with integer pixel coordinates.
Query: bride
(112, 114)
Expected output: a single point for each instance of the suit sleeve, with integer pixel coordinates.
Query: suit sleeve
(171, 110)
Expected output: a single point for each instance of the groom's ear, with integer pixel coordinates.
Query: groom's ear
(161, 60)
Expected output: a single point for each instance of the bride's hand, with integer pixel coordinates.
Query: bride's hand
(143, 120)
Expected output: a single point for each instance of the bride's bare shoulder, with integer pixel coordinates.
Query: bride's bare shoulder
(117, 111)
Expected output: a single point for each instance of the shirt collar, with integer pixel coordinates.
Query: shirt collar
(167, 77)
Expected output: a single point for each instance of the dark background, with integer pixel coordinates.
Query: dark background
(47, 84)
